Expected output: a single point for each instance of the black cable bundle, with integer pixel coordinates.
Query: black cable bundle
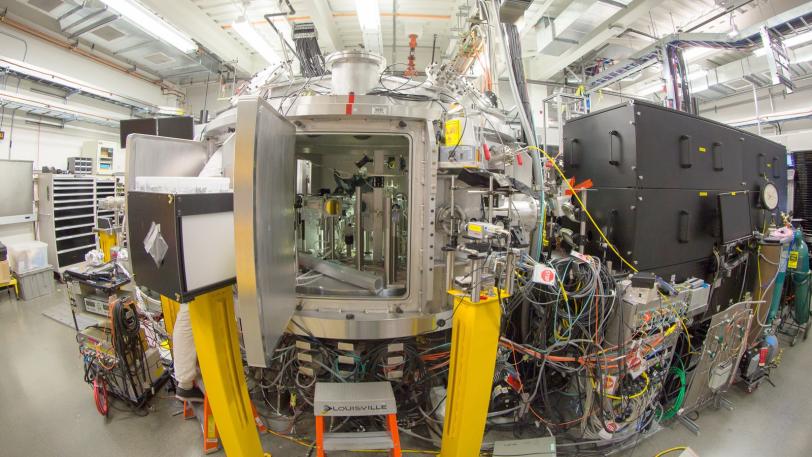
(307, 47)
(128, 347)
(517, 67)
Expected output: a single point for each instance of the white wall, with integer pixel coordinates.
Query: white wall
(48, 146)
(796, 135)
(196, 99)
(56, 59)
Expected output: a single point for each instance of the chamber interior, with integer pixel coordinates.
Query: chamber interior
(352, 214)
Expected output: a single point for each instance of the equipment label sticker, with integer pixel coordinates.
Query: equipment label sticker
(452, 132)
(543, 274)
(793, 259)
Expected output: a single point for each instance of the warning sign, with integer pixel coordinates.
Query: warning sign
(543, 274)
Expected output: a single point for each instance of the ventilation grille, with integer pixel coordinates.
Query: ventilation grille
(159, 58)
(108, 33)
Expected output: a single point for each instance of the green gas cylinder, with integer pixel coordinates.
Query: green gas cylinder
(798, 265)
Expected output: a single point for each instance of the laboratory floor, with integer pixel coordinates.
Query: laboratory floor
(46, 410)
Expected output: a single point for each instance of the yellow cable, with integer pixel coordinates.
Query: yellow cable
(677, 448)
(575, 194)
(681, 321)
(632, 397)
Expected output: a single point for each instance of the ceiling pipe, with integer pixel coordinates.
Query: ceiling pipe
(74, 48)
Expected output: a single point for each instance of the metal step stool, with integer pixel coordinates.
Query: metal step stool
(356, 399)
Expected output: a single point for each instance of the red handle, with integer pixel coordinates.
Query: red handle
(487, 151)
(519, 159)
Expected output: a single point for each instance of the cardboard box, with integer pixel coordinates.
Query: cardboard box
(5, 273)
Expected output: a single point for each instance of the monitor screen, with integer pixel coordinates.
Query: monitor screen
(734, 210)
(790, 160)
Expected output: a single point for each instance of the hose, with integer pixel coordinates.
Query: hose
(672, 411)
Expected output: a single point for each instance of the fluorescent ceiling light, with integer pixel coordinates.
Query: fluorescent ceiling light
(798, 39)
(369, 16)
(250, 35)
(149, 22)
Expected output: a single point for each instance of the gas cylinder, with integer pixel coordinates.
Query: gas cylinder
(778, 288)
(798, 265)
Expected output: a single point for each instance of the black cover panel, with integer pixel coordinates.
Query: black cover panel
(654, 227)
(656, 175)
(168, 278)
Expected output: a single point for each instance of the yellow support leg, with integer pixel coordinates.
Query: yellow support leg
(107, 241)
(474, 340)
(170, 309)
(218, 352)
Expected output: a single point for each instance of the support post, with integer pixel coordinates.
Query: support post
(359, 230)
(215, 331)
(474, 340)
(170, 309)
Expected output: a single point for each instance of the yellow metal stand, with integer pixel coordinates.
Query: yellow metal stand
(218, 352)
(170, 309)
(107, 241)
(12, 283)
(474, 340)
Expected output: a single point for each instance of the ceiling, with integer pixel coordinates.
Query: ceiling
(563, 40)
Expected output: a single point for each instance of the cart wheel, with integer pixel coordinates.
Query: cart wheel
(100, 396)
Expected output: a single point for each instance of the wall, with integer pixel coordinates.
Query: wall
(795, 134)
(51, 146)
(46, 145)
(196, 99)
(56, 59)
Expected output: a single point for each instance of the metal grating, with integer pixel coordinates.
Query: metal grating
(108, 33)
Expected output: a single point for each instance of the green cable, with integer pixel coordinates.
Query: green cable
(672, 411)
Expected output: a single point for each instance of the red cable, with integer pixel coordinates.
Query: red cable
(100, 396)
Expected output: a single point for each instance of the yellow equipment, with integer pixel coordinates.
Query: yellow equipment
(218, 351)
(107, 241)
(474, 340)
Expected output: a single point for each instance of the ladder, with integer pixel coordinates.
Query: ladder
(353, 400)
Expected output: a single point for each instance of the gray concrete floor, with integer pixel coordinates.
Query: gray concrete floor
(46, 409)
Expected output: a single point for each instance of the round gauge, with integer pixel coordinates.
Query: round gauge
(769, 196)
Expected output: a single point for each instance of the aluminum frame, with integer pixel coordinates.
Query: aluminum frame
(375, 317)
(264, 177)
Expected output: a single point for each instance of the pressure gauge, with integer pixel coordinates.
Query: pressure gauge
(769, 196)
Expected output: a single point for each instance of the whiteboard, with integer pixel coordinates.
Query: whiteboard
(16, 191)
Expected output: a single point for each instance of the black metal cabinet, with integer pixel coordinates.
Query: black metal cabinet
(602, 147)
(656, 175)
(651, 232)
(678, 150)
(642, 145)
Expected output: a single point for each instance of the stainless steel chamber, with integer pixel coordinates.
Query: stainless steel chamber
(343, 205)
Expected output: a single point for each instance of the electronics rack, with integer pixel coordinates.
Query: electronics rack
(120, 359)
